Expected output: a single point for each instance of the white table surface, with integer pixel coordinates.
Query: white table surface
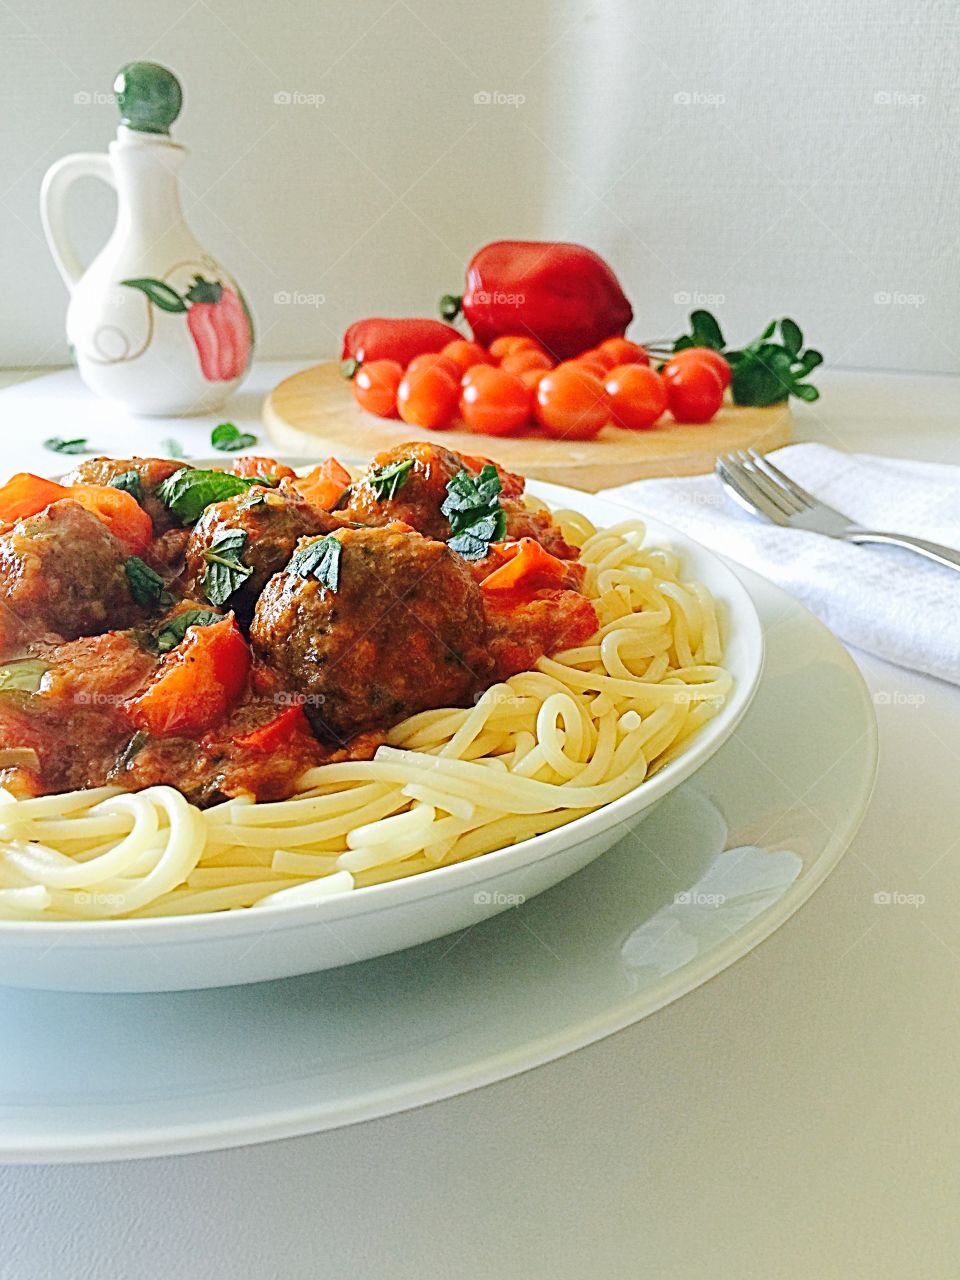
(796, 1118)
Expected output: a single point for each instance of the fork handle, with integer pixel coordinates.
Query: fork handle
(932, 550)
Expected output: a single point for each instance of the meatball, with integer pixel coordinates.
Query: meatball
(404, 631)
(151, 472)
(419, 495)
(421, 492)
(61, 572)
(273, 524)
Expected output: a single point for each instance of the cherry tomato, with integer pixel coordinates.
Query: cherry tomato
(428, 397)
(596, 355)
(465, 354)
(571, 402)
(706, 355)
(526, 358)
(495, 401)
(375, 387)
(637, 396)
(694, 390)
(475, 370)
(433, 359)
(590, 365)
(506, 345)
(531, 377)
(623, 351)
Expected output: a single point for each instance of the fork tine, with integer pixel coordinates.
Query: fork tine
(742, 489)
(798, 492)
(779, 496)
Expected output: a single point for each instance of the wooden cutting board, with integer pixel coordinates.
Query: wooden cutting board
(314, 414)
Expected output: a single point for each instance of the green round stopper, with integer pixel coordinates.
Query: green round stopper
(149, 97)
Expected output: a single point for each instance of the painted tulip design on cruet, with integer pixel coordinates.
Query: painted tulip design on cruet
(154, 321)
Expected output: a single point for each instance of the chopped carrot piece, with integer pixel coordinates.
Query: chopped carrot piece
(119, 511)
(528, 567)
(250, 467)
(25, 494)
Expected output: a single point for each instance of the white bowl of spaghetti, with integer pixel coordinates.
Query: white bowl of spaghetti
(463, 813)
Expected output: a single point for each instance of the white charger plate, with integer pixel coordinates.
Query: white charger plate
(237, 947)
(718, 866)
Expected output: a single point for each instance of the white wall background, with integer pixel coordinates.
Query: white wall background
(769, 155)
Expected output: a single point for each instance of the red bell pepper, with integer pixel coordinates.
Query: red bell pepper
(564, 295)
(400, 340)
(196, 683)
(220, 329)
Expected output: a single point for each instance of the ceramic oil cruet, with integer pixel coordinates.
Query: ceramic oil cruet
(154, 322)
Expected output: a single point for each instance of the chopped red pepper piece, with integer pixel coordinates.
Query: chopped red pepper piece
(277, 732)
(196, 683)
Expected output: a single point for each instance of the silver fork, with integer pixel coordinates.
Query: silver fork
(762, 489)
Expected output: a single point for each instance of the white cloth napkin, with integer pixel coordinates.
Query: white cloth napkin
(890, 602)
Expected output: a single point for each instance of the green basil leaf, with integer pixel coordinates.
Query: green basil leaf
(159, 293)
(805, 391)
(146, 585)
(808, 362)
(173, 631)
(79, 445)
(129, 482)
(706, 331)
(255, 498)
(172, 448)
(473, 508)
(764, 378)
(23, 676)
(385, 481)
(225, 571)
(488, 484)
(791, 336)
(319, 559)
(467, 494)
(227, 438)
(469, 546)
(189, 491)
